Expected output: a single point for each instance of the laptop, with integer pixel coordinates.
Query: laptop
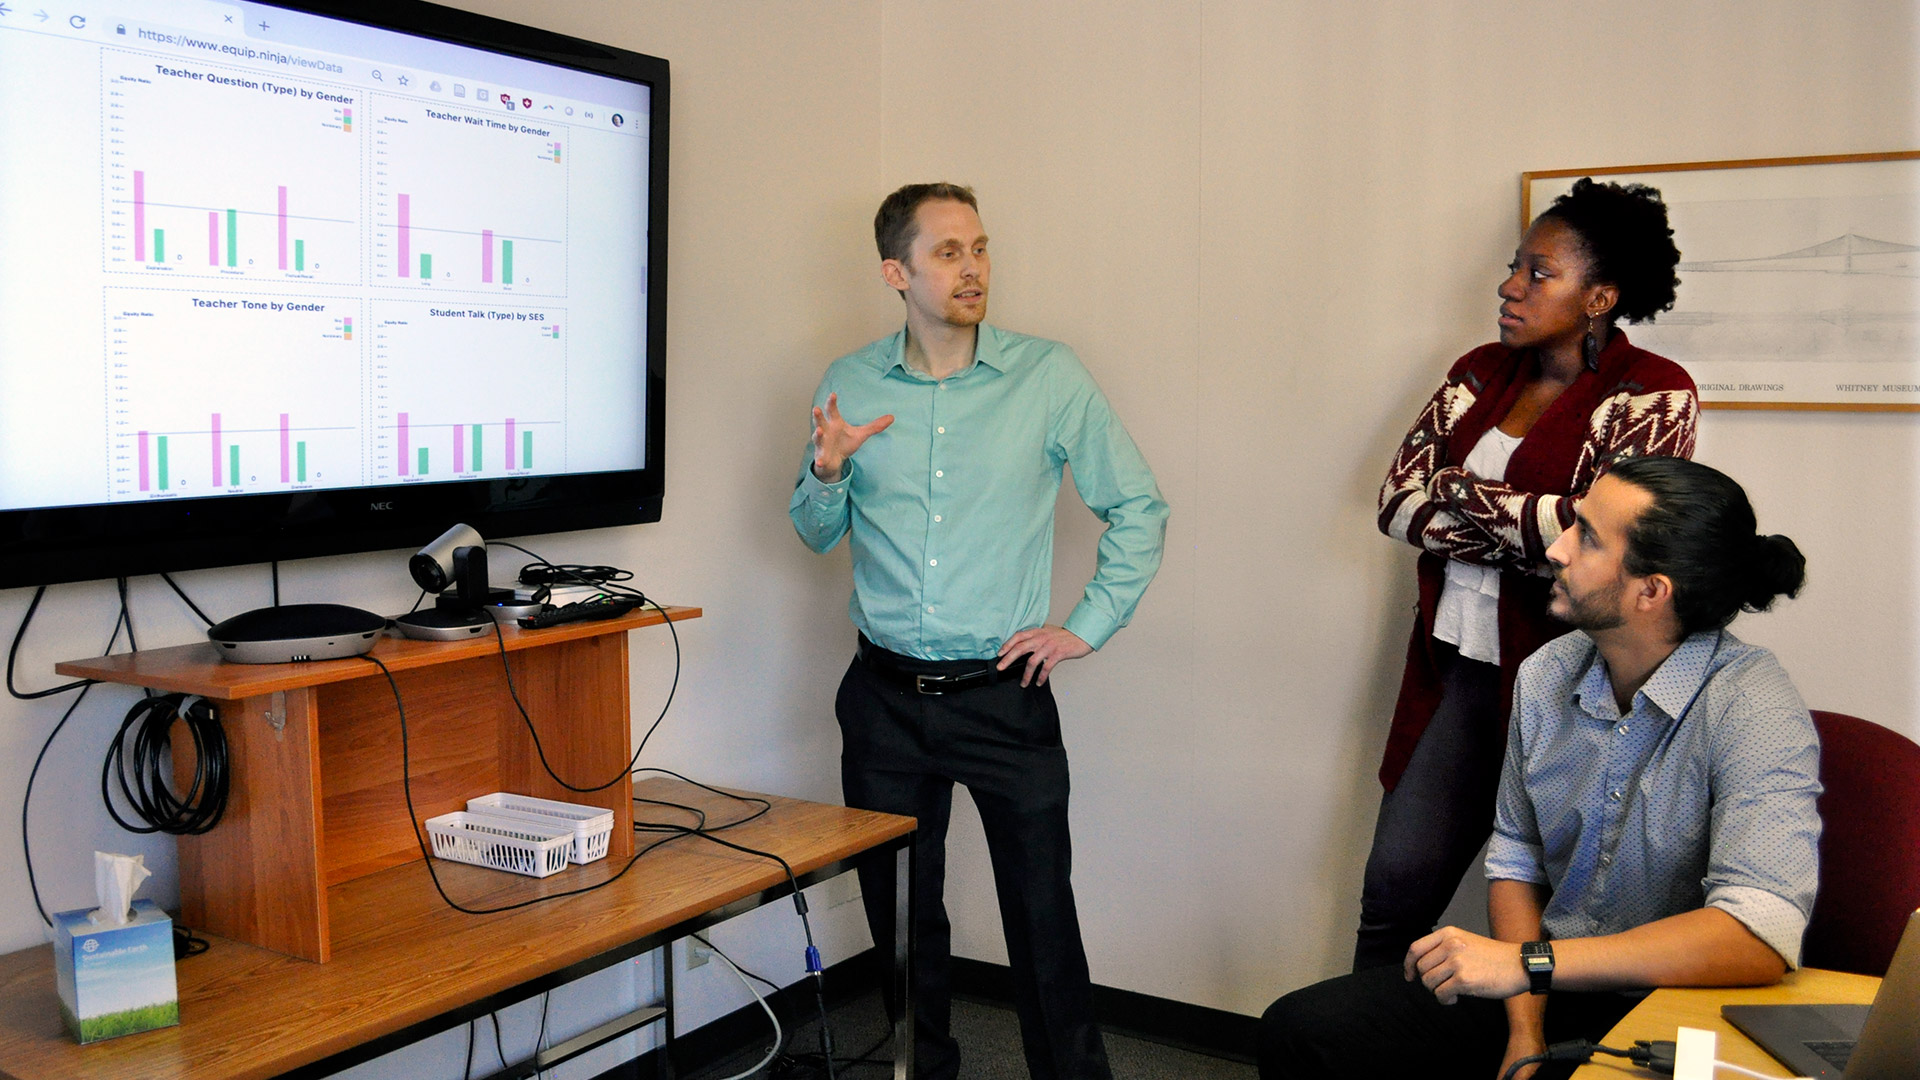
(1847, 1042)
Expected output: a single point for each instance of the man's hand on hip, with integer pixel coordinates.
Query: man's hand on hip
(1454, 963)
(1043, 647)
(834, 440)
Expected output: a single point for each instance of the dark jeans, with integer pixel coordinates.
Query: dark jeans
(1433, 822)
(1374, 1023)
(902, 752)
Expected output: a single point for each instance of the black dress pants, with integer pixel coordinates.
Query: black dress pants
(1375, 1025)
(902, 752)
(1433, 822)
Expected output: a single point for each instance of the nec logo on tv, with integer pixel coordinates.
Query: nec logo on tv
(380, 506)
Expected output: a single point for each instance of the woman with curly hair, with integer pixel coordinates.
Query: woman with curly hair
(1484, 482)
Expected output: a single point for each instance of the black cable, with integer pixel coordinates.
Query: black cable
(26, 844)
(499, 1049)
(20, 634)
(500, 639)
(276, 582)
(1581, 1051)
(426, 855)
(467, 1073)
(150, 793)
(26, 800)
(182, 593)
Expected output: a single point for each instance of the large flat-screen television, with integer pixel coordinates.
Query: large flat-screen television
(300, 279)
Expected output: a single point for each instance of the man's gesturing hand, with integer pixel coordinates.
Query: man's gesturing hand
(1454, 964)
(1043, 646)
(835, 440)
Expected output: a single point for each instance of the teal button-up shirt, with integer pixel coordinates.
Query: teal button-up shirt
(950, 510)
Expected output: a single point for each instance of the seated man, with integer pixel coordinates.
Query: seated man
(1655, 824)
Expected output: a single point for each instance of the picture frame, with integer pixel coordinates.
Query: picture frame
(1800, 277)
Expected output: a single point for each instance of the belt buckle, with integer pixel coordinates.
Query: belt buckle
(922, 682)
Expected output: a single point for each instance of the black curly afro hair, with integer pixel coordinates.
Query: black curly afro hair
(1626, 234)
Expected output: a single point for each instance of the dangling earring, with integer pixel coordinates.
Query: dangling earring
(1590, 347)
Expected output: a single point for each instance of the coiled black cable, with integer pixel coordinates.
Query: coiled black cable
(143, 770)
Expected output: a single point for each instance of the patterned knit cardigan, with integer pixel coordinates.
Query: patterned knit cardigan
(1635, 404)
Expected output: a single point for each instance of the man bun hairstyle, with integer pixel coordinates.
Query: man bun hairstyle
(1628, 240)
(1699, 532)
(894, 227)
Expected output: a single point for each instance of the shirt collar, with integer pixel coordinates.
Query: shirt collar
(986, 352)
(1672, 686)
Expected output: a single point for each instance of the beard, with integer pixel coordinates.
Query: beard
(958, 314)
(1596, 610)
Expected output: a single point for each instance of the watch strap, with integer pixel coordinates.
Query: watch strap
(1537, 958)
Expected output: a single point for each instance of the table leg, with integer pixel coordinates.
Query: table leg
(904, 870)
(664, 1063)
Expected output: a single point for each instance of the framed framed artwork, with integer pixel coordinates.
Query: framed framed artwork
(1799, 277)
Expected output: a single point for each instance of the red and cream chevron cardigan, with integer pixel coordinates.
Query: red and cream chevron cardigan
(1637, 403)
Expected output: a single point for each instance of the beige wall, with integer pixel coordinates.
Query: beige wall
(1267, 227)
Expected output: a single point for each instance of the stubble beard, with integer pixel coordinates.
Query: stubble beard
(1596, 611)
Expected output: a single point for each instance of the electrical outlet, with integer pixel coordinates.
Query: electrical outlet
(697, 954)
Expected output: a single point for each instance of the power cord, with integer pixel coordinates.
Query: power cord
(82, 685)
(1655, 1057)
(149, 793)
(500, 639)
(779, 1038)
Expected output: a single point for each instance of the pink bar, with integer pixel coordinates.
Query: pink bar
(459, 448)
(486, 255)
(139, 216)
(286, 446)
(213, 238)
(144, 465)
(406, 246)
(283, 242)
(510, 443)
(405, 453)
(218, 456)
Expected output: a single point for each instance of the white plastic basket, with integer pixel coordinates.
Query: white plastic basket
(529, 847)
(591, 825)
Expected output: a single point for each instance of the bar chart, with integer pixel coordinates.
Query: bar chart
(497, 230)
(280, 209)
(504, 414)
(191, 414)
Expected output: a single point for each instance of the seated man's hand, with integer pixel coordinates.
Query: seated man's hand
(1454, 964)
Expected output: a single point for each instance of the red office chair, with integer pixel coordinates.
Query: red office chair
(1869, 845)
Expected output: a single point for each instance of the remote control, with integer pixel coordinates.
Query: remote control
(610, 607)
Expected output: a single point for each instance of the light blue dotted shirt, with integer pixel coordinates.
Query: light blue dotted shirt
(1701, 796)
(950, 511)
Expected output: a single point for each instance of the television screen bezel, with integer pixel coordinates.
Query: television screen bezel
(51, 545)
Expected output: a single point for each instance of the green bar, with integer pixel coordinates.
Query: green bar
(159, 245)
(526, 449)
(422, 470)
(506, 262)
(476, 448)
(233, 238)
(299, 254)
(233, 464)
(300, 460)
(163, 463)
(426, 267)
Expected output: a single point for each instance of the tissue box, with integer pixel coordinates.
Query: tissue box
(115, 980)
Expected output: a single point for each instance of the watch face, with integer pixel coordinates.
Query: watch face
(1538, 962)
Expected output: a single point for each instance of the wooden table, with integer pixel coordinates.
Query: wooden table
(406, 966)
(1665, 1011)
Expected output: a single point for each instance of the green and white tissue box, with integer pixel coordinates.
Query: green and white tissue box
(115, 980)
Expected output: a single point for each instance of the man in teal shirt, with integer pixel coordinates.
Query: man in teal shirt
(946, 492)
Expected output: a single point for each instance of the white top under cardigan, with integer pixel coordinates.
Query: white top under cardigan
(1469, 613)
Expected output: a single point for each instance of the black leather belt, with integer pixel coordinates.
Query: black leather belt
(946, 676)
